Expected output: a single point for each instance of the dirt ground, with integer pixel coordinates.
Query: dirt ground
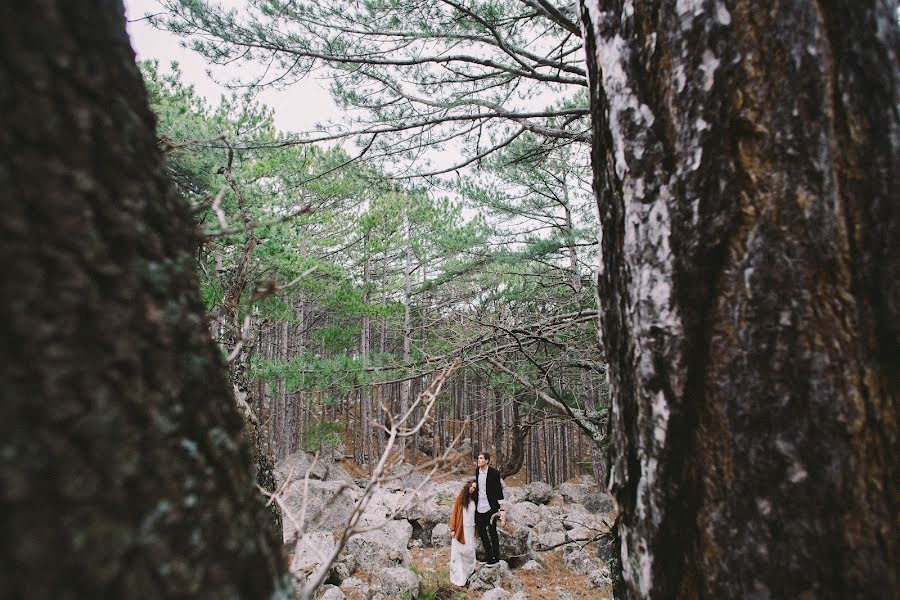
(433, 565)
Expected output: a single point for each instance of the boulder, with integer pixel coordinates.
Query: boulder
(546, 541)
(564, 594)
(599, 503)
(382, 506)
(532, 565)
(384, 548)
(536, 492)
(312, 549)
(342, 569)
(599, 578)
(487, 577)
(398, 581)
(514, 544)
(579, 561)
(440, 535)
(356, 589)
(496, 594)
(330, 592)
(405, 476)
(296, 465)
(551, 520)
(576, 493)
(523, 513)
(328, 508)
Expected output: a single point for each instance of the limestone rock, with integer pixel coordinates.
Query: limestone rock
(579, 561)
(496, 594)
(296, 465)
(440, 535)
(330, 592)
(599, 503)
(356, 589)
(312, 549)
(537, 492)
(523, 513)
(514, 544)
(487, 577)
(399, 581)
(564, 594)
(599, 578)
(546, 541)
(576, 493)
(385, 547)
(342, 569)
(329, 505)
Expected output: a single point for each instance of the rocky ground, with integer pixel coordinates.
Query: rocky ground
(405, 554)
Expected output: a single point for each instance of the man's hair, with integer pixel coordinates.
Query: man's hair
(486, 456)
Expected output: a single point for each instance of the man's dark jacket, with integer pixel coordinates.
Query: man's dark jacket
(494, 489)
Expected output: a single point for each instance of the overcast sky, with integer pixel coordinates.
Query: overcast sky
(297, 109)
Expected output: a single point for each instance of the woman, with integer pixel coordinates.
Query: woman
(462, 528)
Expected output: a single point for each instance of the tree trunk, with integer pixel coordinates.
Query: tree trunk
(123, 473)
(745, 168)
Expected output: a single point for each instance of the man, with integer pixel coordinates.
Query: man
(490, 502)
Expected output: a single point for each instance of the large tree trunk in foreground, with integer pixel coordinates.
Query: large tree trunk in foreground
(120, 475)
(745, 169)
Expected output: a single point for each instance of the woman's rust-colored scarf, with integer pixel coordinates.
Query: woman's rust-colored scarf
(457, 525)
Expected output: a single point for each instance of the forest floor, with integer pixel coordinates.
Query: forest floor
(433, 564)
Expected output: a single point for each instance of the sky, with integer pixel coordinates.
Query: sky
(297, 108)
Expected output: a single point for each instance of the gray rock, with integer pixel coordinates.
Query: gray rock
(524, 513)
(537, 492)
(356, 589)
(496, 594)
(564, 594)
(440, 535)
(407, 476)
(312, 549)
(546, 541)
(577, 493)
(330, 592)
(342, 569)
(599, 578)
(579, 561)
(514, 544)
(518, 596)
(399, 581)
(296, 465)
(599, 503)
(382, 548)
(487, 577)
(532, 565)
(551, 520)
(329, 505)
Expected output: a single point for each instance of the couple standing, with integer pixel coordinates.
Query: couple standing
(475, 515)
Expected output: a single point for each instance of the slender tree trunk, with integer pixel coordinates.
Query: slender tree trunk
(745, 166)
(405, 386)
(123, 470)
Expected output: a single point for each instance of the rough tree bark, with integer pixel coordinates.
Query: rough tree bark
(745, 165)
(122, 474)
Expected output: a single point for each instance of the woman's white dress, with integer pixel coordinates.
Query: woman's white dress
(462, 556)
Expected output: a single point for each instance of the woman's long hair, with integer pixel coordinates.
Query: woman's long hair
(465, 496)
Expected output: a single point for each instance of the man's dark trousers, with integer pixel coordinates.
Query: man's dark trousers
(487, 530)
